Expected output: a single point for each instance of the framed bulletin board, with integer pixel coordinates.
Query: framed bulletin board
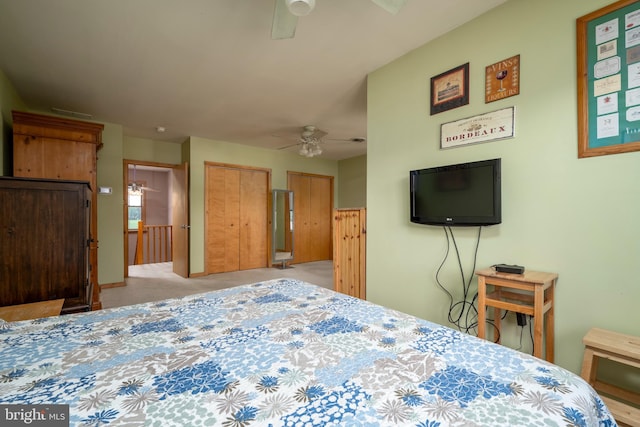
(609, 80)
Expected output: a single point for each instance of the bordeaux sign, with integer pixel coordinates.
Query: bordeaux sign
(491, 126)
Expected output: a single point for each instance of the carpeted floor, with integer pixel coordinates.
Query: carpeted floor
(155, 282)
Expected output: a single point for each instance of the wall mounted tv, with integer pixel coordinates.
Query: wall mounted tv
(462, 194)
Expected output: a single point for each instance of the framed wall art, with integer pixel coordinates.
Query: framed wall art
(502, 79)
(450, 89)
(492, 126)
(608, 51)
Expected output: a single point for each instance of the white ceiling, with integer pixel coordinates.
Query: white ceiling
(209, 68)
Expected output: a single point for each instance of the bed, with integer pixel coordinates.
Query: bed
(281, 353)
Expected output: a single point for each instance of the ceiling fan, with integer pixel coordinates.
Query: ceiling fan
(286, 13)
(310, 141)
(136, 187)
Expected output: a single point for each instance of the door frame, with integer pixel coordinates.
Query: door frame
(125, 216)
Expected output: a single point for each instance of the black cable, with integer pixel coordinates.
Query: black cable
(446, 255)
(463, 303)
(467, 309)
(533, 343)
(521, 334)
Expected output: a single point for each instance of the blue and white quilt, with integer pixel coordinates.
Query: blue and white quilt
(281, 353)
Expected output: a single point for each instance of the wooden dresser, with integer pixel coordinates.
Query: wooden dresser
(55, 148)
(44, 242)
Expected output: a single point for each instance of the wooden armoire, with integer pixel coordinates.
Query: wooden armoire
(44, 242)
(63, 149)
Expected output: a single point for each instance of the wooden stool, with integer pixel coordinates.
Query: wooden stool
(620, 348)
(531, 293)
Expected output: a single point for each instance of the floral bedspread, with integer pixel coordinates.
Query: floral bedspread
(281, 353)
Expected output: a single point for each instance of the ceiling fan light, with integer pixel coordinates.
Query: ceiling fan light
(134, 189)
(304, 150)
(300, 7)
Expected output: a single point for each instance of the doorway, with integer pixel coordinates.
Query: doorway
(156, 194)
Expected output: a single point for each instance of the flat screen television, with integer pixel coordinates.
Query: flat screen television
(461, 194)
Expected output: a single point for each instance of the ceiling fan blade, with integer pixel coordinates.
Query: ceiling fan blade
(284, 22)
(318, 134)
(391, 6)
(289, 146)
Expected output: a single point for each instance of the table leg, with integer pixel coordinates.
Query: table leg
(538, 320)
(482, 308)
(549, 326)
(497, 322)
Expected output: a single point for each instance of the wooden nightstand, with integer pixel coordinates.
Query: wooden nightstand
(531, 293)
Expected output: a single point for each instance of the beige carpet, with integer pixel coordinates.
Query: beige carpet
(155, 282)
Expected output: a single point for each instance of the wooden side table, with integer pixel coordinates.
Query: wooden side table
(531, 293)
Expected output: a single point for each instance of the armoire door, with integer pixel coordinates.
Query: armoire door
(236, 218)
(44, 229)
(313, 205)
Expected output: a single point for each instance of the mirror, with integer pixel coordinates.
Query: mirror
(282, 227)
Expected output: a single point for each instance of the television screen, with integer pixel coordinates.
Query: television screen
(461, 194)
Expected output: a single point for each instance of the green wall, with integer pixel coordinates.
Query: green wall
(150, 150)
(352, 192)
(110, 206)
(9, 100)
(578, 218)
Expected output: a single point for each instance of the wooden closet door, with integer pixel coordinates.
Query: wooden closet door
(299, 184)
(232, 220)
(320, 218)
(236, 218)
(313, 203)
(253, 219)
(223, 207)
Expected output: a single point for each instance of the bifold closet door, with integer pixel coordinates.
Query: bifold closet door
(313, 204)
(236, 218)
(254, 193)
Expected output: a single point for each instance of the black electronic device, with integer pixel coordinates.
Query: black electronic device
(511, 269)
(461, 194)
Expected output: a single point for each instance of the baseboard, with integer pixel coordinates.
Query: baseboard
(112, 285)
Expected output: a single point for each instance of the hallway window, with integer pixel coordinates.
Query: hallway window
(135, 207)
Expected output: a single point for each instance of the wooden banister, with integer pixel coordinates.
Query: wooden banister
(139, 257)
(154, 244)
